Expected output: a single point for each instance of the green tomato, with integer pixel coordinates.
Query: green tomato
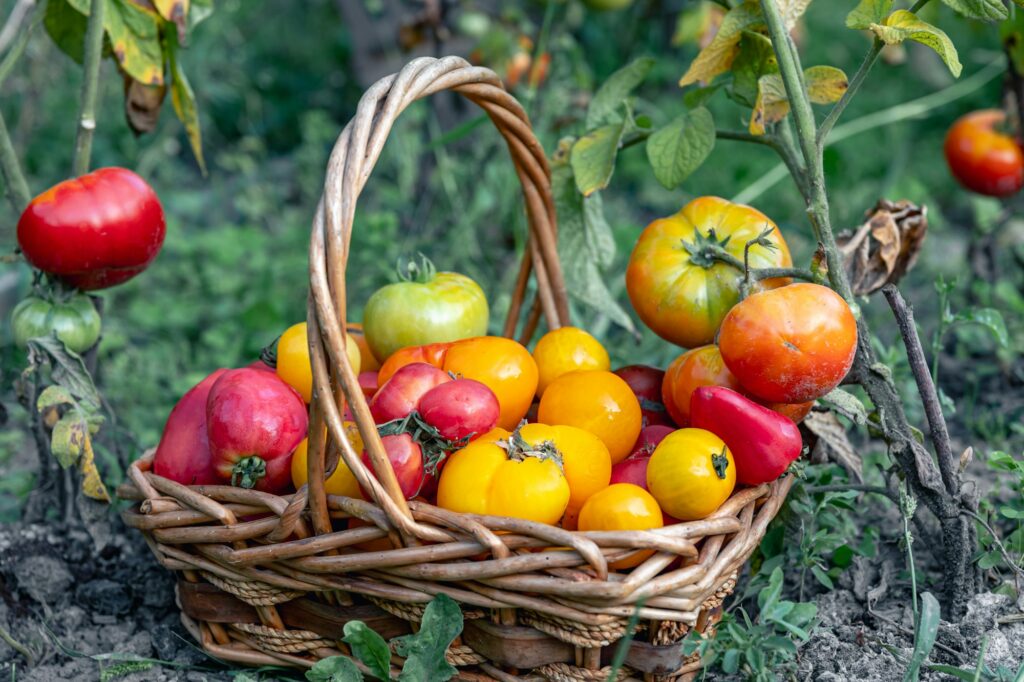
(76, 321)
(426, 307)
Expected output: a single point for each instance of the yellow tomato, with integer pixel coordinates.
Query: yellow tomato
(342, 481)
(622, 506)
(293, 364)
(691, 473)
(567, 350)
(501, 364)
(503, 480)
(596, 401)
(585, 459)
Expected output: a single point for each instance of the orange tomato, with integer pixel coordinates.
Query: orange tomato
(622, 506)
(367, 362)
(432, 354)
(565, 350)
(501, 364)
(790, 345)
(679, 292)
(982, 157)
(596, 401)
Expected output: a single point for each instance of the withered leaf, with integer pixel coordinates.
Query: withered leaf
(885, 247)
(142, 104)
(832, 444)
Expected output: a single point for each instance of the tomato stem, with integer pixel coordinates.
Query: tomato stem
(248, 471)
(720, 462)
(90, 85)
(518, 449)
(420, 269)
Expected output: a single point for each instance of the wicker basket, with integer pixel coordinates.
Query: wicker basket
(277, 589)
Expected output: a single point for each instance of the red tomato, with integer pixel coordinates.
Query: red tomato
(406, 458)
(368, 382)
(402, 392)
(432, 354)
(460, 409)
(649, 438)
(981, 157)
(791, 344)
(646, 383)
(94, 231)
(254, 422)
(183, 454)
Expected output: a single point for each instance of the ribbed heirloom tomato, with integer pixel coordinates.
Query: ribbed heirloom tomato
(94, 231)
(598, 402)
(981, 157)
(691, 474)
(565, 350)
(790, 345)
(502, 365)
(676, 289)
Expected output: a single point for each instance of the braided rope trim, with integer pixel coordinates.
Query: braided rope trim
(414, 612)
(283, 641)
(563, 672)
(252, 592)
(578, 634)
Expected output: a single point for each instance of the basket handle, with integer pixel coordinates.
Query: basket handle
(350, 164)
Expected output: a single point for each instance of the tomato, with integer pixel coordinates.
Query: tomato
(254, 422)
(501, 364)
(293, 362)
(585, 460)
(367, 362)
(622, 506)
(342, 482)
(406, 458)
(649, 438)
(94, 231)
(432, 354)
(633, 470)
(683, 297)
(460, 409)
(646, 383)
(598, 402)
(183, 454)
(368, 382)
(691, 474)
(504, 479)
(981, 157)
(75, 321)
(427, 307)
(790, 345)
(666, 390)
(402, 392)
(566, 350)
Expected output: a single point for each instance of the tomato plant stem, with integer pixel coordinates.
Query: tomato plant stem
(21, 37)
(17, 188)
(90, 84)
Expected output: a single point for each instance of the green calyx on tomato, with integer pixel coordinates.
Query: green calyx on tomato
(75, 321)
(519, 449)
(425, 307)
(248, 471)
(720, 462)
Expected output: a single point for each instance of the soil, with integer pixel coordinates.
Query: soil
(81, 599)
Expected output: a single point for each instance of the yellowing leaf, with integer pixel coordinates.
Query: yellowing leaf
(92, 484)
(792, 10)
(184, 101)
(593, 157)
(134, 35)
(868, 12)
(771, 105)
(717, 57)
(825, 84)
(903, 25)
(175, 11)
(67, 440)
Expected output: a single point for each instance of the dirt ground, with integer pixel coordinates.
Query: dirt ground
(80, 600)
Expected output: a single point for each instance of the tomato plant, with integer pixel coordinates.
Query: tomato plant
(680, 293)
(425, 307)
(74, 321)
(94, 231)
(982, 157)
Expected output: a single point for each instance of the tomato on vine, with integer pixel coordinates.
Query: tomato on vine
(982, 157)
(75, 321)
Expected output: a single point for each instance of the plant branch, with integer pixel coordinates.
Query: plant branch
(948, 467)
(17, 188)
(716, 252)
(90, 84)
(11, 31)
(20, 40)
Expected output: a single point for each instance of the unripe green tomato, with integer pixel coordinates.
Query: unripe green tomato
(76, 321)
(607, 5)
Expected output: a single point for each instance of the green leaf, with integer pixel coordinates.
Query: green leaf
(1011, 513)
(924, 641)
(698, 97)
(585, 245)
(803, 613)
(990, 318)
(53, 395)
(184, 101)
(756, 58)
(67, 440)
(731, 661)
(868, 12)
(198, 12)
(986, 10)
(903, 25)
(825, 84)
(846, 404)
(681, 147)
(606, 105)
(593, 157)
(424, 651)
(68, 370)
(369, 647)
(958, 673)
(334, 669)
(66, 26)
(822, 577)
(718, 56)
(769, 595)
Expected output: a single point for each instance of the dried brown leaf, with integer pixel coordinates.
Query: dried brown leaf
(142, 104)
(885, 247)
(832, 444)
